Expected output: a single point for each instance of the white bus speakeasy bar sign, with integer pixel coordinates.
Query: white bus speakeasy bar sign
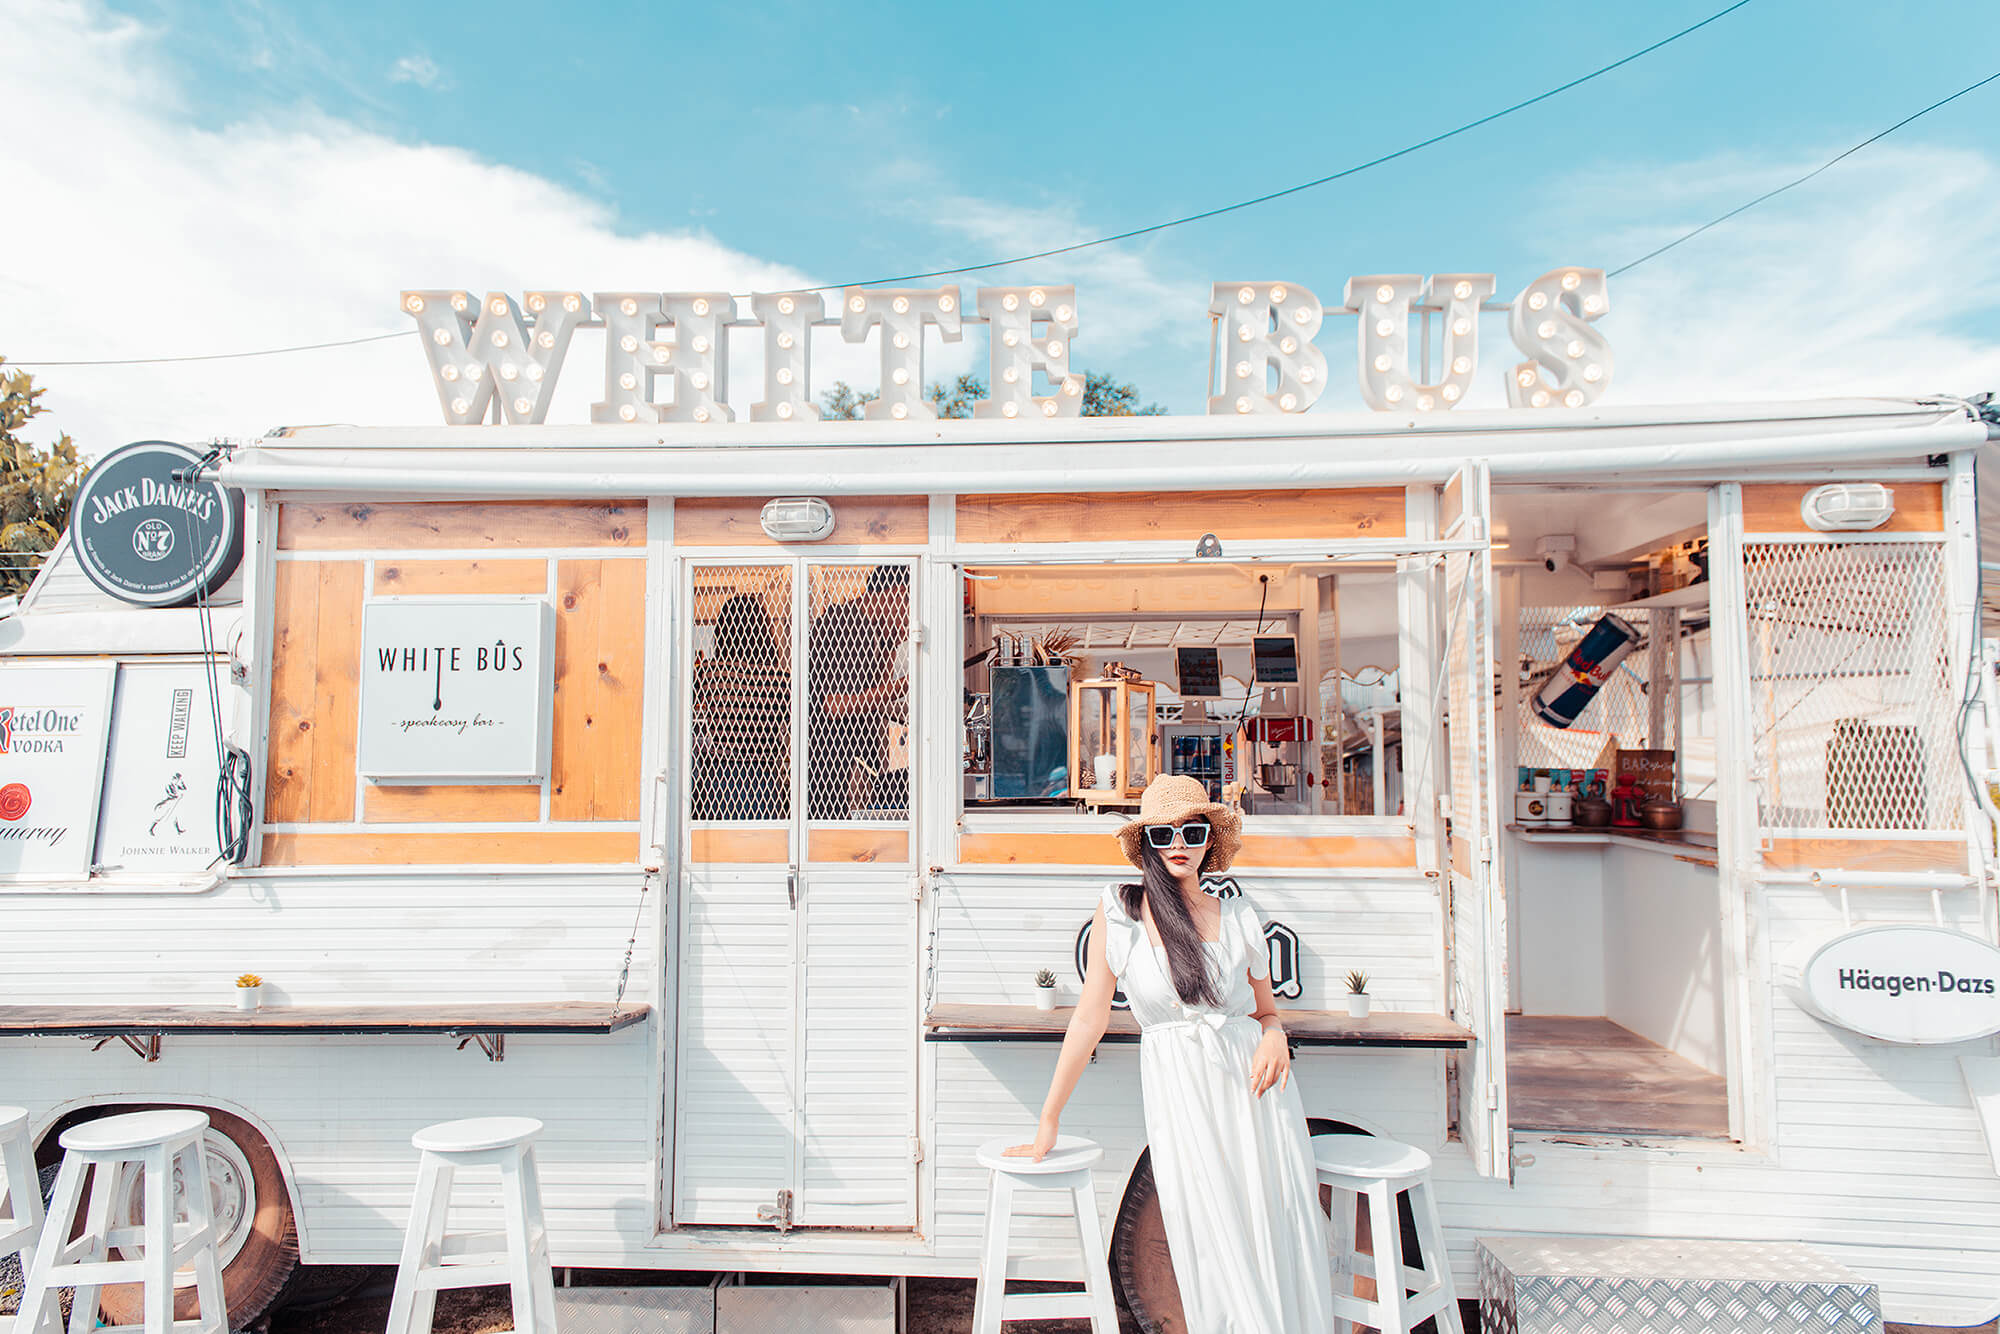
(497, 358)
(1911, 984)
(456, 692)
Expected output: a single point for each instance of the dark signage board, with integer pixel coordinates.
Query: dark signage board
(1277, 660)
(1651, 770)
(1199, 672)
(146, 537)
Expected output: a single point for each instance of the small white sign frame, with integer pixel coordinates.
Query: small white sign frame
(456, 691)
(54, 723)
(1915, 985)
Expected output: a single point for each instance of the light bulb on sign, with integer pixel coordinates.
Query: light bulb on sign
(1031, 330)
(787, 318)
(1569, 362)
(1251, 315)
(900, 311)
(1385, 356)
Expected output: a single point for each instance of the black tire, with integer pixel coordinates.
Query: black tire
(253, 1277)
(1139, 1256)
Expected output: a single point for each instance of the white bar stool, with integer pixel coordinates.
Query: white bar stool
(21, 1187)
(518, 1256)
(1066, 1168)
(161, 1144)
(1377, 1171)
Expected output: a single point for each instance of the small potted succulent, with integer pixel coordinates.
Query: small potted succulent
(1045, 990)
(1357, 994)
(249, 991)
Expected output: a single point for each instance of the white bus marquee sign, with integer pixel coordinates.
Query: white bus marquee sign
(498, 360)
(1921, 985)
(456, 692)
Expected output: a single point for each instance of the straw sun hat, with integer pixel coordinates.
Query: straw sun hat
(1174, 797)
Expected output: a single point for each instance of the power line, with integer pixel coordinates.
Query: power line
(1040, 254)
(1772, 194)
(223, 356)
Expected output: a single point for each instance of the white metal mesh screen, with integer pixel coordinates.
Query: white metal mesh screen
(1851, 699)
(857, 733)
(1620, 715)
(740, 693)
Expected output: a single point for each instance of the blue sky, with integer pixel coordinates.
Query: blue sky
(679, 146)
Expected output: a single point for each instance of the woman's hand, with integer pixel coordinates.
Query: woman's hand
(1045, 1139)
(1272, 1064)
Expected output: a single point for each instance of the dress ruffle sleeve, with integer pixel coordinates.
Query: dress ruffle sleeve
(1118, 929)
(1250, 935)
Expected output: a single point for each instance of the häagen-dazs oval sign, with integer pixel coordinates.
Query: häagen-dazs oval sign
(1914, 984)
(145, 536)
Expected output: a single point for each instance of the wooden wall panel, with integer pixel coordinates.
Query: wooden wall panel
(288, 761)
(858, 845)
(1834, 853)
(446, 525)
(1770, 507)
(397, 804)
(760, 846)
(315, 674)
(460, 576)
(1259, 850)
(733, 521)
(538, 847)
(337, 690)
(1140, 516)
(600, 680)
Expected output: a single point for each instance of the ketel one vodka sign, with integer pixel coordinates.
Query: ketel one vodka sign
(456, 692)
(145, 535)
(1915, 984)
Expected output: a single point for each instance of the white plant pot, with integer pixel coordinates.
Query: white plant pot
(249, 998)
(1357, 1005)
(1045, 998)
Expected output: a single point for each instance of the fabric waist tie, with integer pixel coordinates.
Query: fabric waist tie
(1206, 1028)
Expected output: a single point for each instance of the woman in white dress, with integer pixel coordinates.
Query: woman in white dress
(1231, 1155)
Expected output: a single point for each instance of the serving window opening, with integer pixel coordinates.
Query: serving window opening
(1275, 685)
(1617, 1015)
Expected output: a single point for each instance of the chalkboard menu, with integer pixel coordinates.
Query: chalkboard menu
(1200, 672)
(1277, 660)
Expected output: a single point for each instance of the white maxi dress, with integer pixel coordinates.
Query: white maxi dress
(1237, 1188)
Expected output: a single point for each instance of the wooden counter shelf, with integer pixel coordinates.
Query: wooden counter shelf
(1305, 1028)
(1689, 844)
(141, 1027)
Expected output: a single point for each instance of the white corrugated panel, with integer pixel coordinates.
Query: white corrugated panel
(736, 1103)
(859, 1063)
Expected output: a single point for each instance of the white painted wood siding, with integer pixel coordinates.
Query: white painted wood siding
(996, 928)
(859, 1064)
(736, 1141)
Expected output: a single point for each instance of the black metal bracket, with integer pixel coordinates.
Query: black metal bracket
(493, 1044)
(146, 1046)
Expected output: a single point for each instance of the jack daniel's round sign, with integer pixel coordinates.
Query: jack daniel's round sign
(146, 537)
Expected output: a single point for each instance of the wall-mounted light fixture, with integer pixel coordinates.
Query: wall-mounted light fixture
(797, 519)
(1848, 507)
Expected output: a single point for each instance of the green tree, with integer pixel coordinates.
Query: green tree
(1103, 396)
(37, 486)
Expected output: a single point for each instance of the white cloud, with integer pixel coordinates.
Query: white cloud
(420, 70)
(142, 235)
(1875, 278)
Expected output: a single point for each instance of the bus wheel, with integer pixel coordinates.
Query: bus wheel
(1139, 1258)
(1139, 1255)
(254, 1234)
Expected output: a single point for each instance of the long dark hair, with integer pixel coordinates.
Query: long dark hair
(743, 632)
(1187, 957)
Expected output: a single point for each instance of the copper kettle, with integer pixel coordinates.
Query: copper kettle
(1660, 814)
(1591, 811)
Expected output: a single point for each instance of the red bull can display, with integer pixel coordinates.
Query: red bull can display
(1577, 678)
